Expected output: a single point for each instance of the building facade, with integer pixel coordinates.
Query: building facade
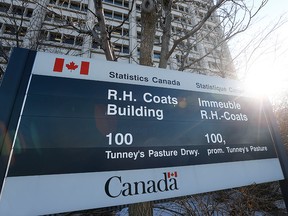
(70, 27)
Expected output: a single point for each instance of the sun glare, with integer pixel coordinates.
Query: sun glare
(263, 83)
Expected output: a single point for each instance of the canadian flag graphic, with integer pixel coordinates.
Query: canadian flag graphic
(60, 64)
(172, 174)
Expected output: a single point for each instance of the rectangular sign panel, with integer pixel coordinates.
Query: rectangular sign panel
(96, 133)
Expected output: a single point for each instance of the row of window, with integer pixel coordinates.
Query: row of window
(115, 15)
(118, 48)
(180, 8)
(74, 5)
(58, 37)
(49, 36)
(62, 19)
(62, 38)
(12, 29)
(202, 5)
(121, 48)
(121, 3)
(187, 60)
(121, 32)
(188, 19)
(175, 7)
(156, 54)
(16, 10)
(56, 18)
(201, 15)
(182, 19)
(77, 41)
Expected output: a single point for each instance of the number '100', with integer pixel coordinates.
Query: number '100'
(120, 139)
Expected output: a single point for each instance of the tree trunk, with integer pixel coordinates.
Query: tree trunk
(106, 43)
(141, 209)
(166, 5)
(31, 38)
(148, 31)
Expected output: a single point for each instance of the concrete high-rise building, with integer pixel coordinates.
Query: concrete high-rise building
(58, 26)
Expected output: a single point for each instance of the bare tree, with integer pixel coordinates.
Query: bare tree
(232, 17)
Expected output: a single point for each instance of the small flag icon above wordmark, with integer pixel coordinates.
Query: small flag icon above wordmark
(172, 174)
(60, 65)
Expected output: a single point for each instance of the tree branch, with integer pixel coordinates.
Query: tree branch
(196, 27)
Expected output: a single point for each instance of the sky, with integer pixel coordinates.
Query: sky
(266, 70)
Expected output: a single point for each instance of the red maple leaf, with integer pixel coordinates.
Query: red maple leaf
(71, 66)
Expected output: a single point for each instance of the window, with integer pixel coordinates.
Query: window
(109, 1)
(156, 55)
(48, 17)
(73, 20)
(125, 32)
(84, 7)
(56, 37)
(18, 10)
(59, 19)
(157, 39)
(95, 44)
(117, 16)
(117, 48)
(75, 5)
(138, 19)
(63, 3)
(68, 39)
(118, 2)
(108, 13)
(29, 12)
(138, 7)
(9, 29)
(181, 8)
(121, 48)
(138, 35)
(125, 17)
(52, 2)
(117, 31)
(126, 49)
(22, 31)
(43, 35)
(126, 4)
(79, 41)
(177, 18)
(4, 7)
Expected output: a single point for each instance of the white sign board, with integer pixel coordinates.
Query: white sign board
(96, 133)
